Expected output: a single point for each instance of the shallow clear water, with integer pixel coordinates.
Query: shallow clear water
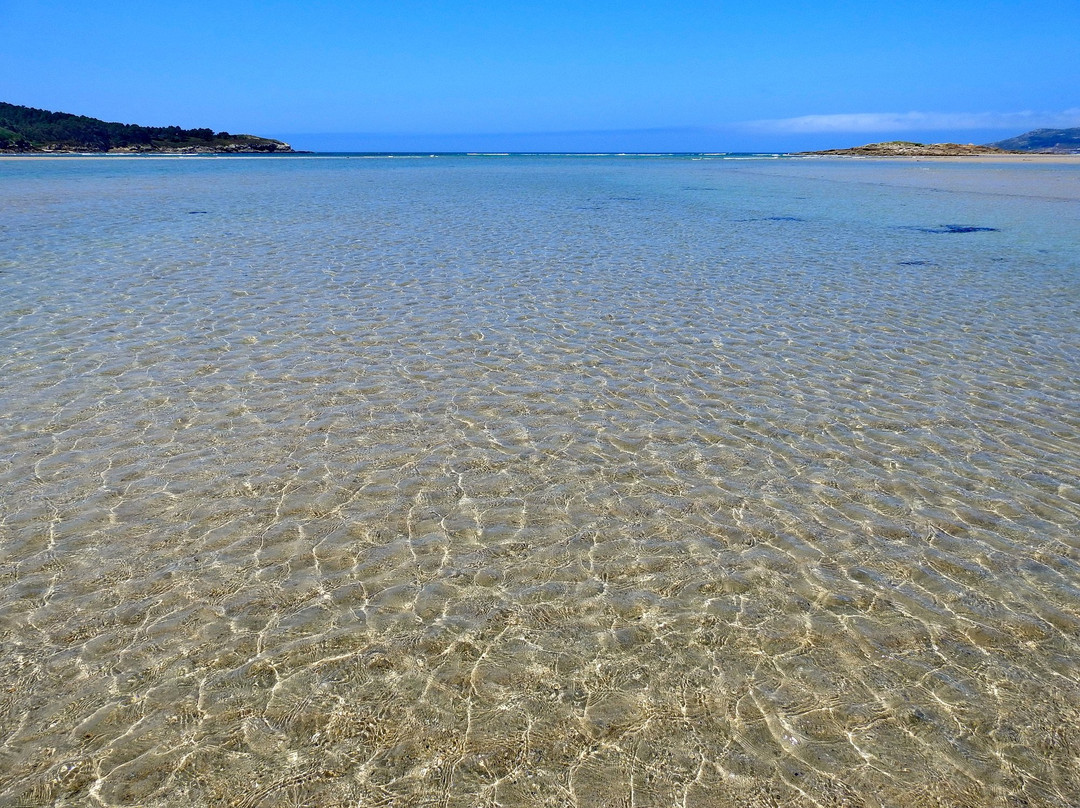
(539, 481)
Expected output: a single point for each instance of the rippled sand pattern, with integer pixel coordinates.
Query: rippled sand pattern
(526, 482)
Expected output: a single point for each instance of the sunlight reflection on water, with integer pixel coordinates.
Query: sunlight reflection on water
(538, 481)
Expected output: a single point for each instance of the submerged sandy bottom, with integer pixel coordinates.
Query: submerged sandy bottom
(538, 482)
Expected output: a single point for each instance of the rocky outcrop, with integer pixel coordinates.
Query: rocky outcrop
(906, 148)
(257, 144)
(244, 144)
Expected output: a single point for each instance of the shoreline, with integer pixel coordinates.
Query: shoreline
(1047, 159)
(140, 156)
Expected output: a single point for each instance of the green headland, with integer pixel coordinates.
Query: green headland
(38, 131)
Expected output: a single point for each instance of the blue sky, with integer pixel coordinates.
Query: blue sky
(633, 76)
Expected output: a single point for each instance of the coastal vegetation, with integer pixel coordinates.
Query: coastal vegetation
(26, 129)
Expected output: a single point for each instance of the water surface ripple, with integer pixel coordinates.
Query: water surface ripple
(539, 481)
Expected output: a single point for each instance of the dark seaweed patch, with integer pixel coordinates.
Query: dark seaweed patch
(773, 219)
(953, 228)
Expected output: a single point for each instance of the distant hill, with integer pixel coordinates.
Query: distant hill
(1061, 141)
(26, 129)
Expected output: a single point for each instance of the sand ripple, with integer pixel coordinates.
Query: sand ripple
(536, 483)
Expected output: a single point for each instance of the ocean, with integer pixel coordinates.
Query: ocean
(539, 481)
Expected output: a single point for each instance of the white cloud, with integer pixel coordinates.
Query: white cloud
(912, 121)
